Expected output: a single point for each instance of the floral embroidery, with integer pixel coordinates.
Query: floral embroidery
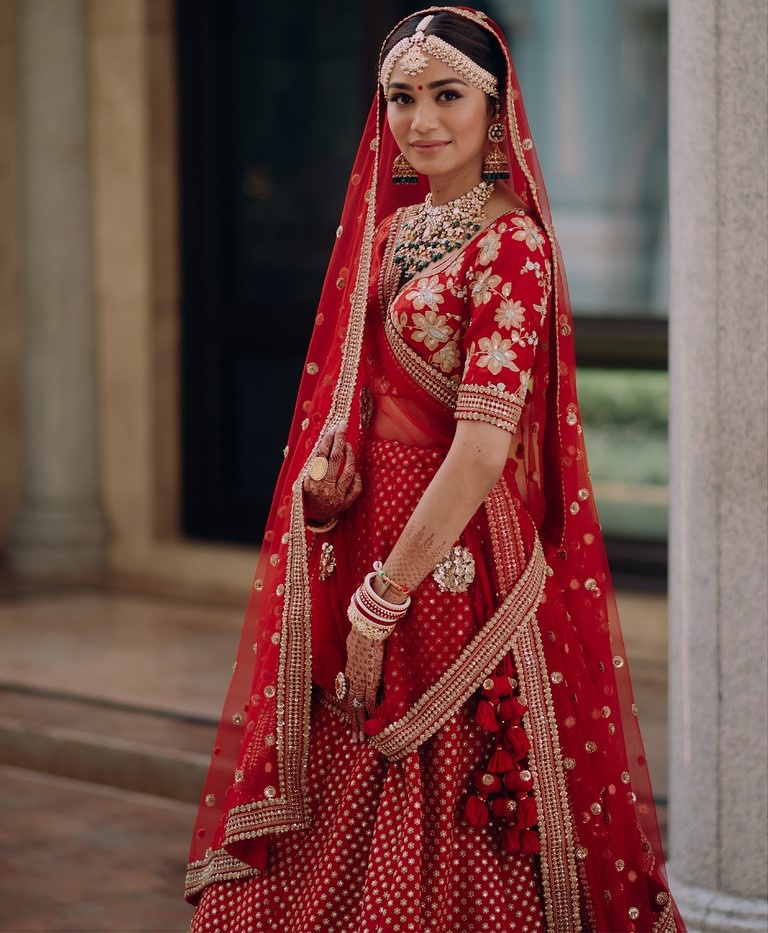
(427, 294)
(529, 233)
(510, 314)
(431, 329)
(482, 286)
(448, 359)
(489, 247)
(496, 354)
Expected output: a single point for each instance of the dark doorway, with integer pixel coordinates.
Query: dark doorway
(272, 101)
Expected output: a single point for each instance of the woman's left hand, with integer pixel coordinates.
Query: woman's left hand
(365, 660)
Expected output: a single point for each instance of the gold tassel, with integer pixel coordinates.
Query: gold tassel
(403, 173)
(495, 165)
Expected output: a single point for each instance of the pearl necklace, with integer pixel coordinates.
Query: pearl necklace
(430, 231)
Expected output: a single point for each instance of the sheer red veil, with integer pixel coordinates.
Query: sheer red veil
(601, 861)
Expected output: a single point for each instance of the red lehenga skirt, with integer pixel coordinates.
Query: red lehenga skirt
(388, 849)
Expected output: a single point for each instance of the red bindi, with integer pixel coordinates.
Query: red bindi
(421, 88)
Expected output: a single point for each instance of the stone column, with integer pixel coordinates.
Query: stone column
(719, 453)
(60, 527)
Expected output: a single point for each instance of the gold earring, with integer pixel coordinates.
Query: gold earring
(495, 165)
(403, 173)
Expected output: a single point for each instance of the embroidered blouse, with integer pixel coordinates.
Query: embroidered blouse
(467, 328)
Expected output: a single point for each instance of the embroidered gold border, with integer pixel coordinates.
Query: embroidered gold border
(666, 922)
(559, 876)
(488, 403)
(217, 867)
(468, 671)
(505, 538)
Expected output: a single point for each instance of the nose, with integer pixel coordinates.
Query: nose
(424, 117)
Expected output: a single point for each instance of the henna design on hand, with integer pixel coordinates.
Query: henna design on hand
(328, 497)
(365, 660)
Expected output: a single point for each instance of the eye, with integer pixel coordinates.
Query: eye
(449, 95)
(400, 98)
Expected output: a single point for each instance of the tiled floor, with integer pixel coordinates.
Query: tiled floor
(124, 689)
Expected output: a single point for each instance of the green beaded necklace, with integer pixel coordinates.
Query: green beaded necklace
(430, 231)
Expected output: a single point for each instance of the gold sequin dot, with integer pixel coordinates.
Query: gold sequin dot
(488, 684)
(286, 451)
(305, 424)
(606, 895)
(606, 711)
(269, 692)
(549, 571)
(583, 494)
(590, 747)
(239, 776)
(258, 585)
(525, 775)
(596, 809)
(632, 875)
(631, 797)
(254, 648)
(662, 897)
(581, 852)
(210, 800)
(339, 231)
(280, 589)
(374, 145)
(487, 779)
(557, 677)
(634, 709)
(286, 538)
(269, 791)
(570, 722)
(275, 638)
(313, 369)
(574, 508)
(273, 560)
(569, 763)
(633, 912)
(601, 667)
(527, 144)
(625, 777)
(341, 282)
(611, 728)
(618, 661)
(619, 864)
(367, 196)
(269, 740)
(571, 418)
(237, 719)
(589, 538)
(590, 583)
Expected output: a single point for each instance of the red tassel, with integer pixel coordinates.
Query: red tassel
(512, 710)
(518, 780)
(501, 762)
(476, 811)
(527, 814)
(504, 808)
(486, 716)
(517, 741)
(486, 783)
(529, 842)
(498, 686)
(510, 838)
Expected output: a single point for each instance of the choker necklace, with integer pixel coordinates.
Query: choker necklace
(429, 231)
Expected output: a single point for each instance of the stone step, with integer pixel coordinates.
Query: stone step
(132, 748)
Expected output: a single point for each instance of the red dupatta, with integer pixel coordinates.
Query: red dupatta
(601, 860)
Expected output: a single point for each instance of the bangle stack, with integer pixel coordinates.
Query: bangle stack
(373, 616)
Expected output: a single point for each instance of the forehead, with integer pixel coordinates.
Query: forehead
(435, 71)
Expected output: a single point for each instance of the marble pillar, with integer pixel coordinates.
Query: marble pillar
(719, 457)
(60, 527)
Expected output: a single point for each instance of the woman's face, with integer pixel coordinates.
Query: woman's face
(440, 123)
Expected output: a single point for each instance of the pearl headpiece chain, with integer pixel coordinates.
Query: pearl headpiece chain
(413, 53)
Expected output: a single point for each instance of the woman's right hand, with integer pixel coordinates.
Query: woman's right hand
(326, 498)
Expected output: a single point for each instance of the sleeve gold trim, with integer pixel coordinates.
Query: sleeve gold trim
(490, 404)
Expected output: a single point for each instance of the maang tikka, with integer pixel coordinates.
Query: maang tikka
(495, 164)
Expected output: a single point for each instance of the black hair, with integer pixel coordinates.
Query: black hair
(463, 34)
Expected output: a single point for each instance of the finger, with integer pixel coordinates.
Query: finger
(354, 490)
(337, 451)
(347, 475)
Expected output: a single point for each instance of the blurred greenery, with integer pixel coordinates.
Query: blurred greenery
(625, 419)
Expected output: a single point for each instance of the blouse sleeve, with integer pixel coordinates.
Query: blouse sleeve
(508, 289)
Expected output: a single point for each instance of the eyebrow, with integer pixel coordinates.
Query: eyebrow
(431, 86)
